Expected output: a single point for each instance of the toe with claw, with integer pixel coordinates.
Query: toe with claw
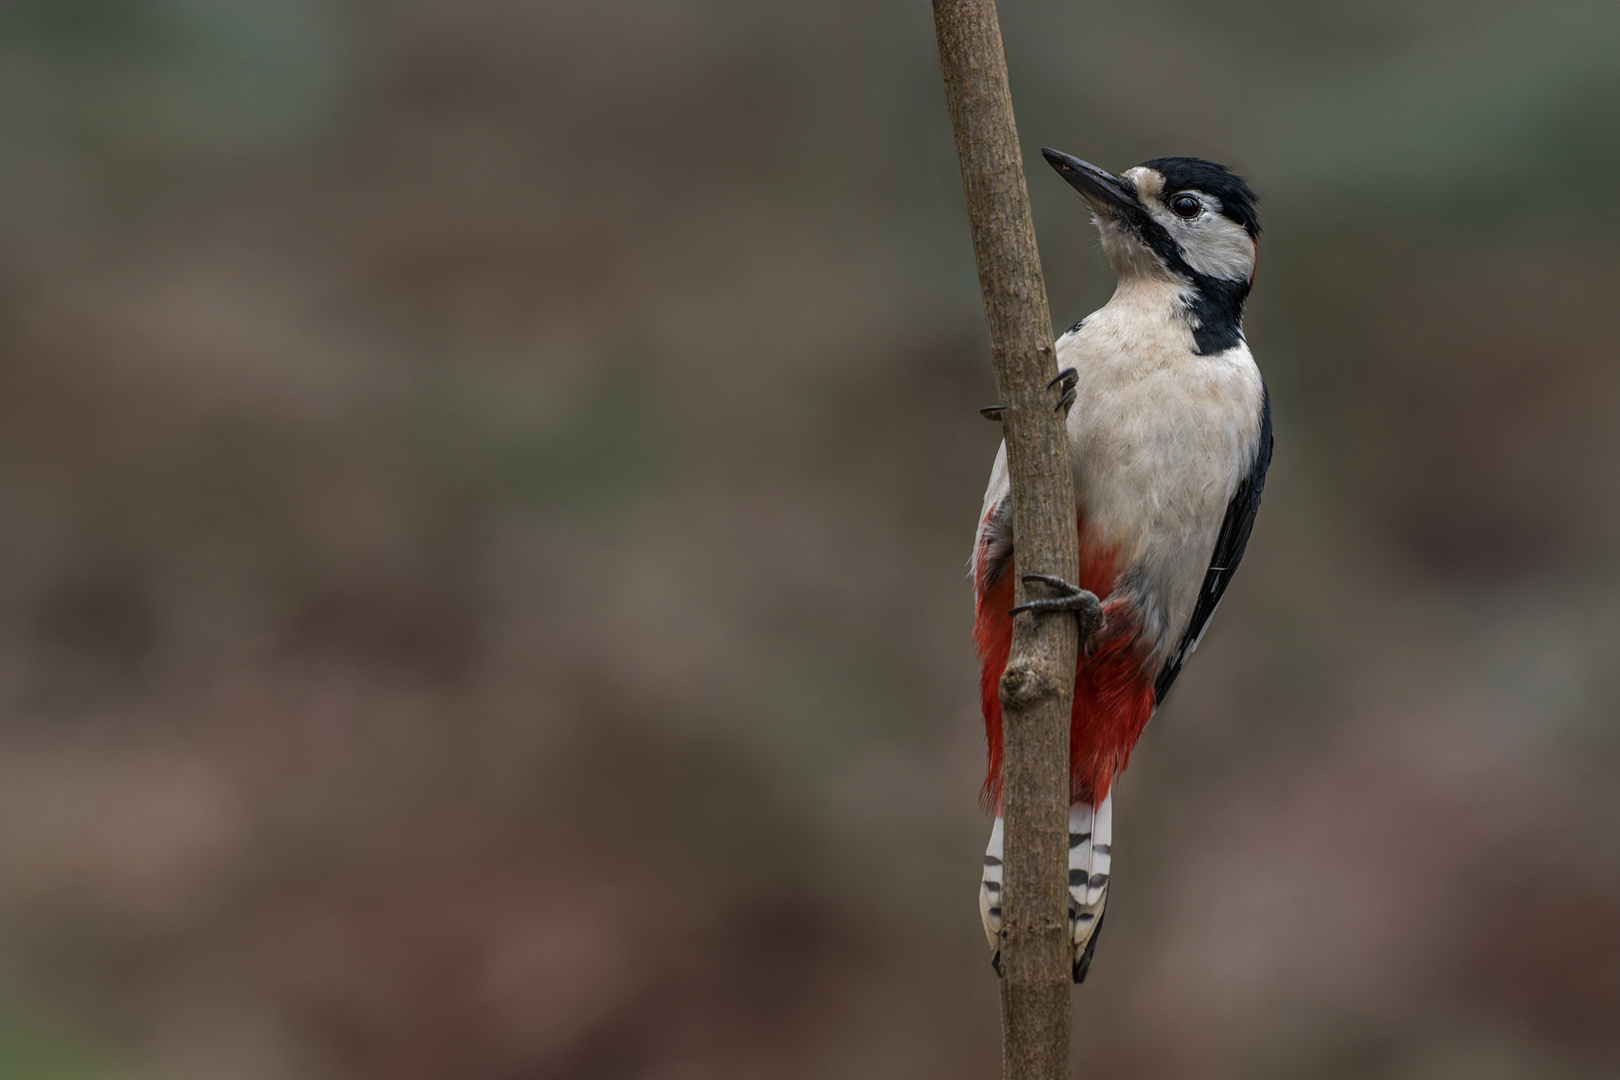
(1065, 382)
(1083, 603)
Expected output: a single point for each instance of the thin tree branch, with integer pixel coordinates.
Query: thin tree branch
(1038, 685)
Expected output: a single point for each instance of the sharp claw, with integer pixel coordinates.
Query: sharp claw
(1067, 376)
(1054, 582)
(993, 412)
(1085, 606)
(1066, 401)
(995, 962)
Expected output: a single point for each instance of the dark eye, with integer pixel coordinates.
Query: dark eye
(1185, 205)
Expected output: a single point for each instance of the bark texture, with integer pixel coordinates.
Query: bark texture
(1038, 686)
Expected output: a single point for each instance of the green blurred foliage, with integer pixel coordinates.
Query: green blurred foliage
(37, 1051)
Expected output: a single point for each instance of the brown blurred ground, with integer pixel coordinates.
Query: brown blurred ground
(487, 493)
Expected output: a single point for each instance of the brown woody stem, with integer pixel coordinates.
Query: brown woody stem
(1038, 686)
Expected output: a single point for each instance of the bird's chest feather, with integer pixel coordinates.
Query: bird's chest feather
(1160, 438)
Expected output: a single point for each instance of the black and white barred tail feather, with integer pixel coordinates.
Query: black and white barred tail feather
(1090, 845)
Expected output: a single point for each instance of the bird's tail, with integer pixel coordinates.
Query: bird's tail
(1091, 834)
(1091, 840)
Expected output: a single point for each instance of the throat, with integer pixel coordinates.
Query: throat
(1154, 273)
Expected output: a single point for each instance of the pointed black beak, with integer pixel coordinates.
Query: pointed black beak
(1102, 189)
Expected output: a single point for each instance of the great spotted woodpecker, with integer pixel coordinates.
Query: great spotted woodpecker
(1169, 429)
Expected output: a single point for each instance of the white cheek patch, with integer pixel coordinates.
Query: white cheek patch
(1210, 243)
(1217, 246)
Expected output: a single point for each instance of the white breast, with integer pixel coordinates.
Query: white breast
(1161, 439)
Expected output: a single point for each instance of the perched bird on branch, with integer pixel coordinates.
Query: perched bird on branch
(1169, 428)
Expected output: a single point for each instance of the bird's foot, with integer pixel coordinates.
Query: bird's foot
(1066, 381)
(1083, 602)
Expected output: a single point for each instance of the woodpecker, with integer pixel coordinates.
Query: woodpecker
(1169, 430)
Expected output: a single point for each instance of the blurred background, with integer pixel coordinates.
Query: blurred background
(488, 489)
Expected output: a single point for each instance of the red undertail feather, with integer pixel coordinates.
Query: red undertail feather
(1113, 692)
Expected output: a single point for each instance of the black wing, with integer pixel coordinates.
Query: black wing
(1235, 529)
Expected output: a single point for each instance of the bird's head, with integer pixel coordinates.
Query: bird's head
(1187, 219)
